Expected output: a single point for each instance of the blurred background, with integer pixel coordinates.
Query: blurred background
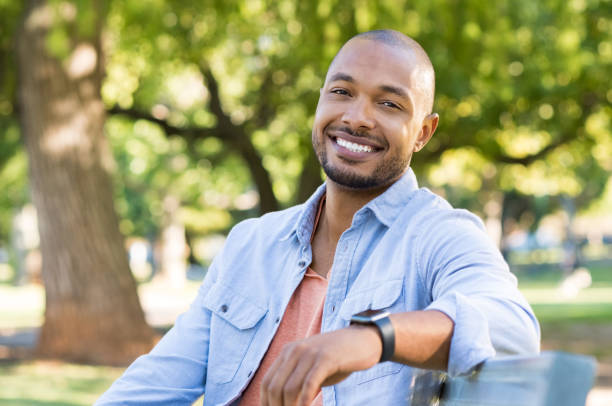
(134, 134)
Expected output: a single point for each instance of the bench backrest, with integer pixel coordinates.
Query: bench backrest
(548, 379)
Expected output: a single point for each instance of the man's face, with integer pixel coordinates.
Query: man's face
(370, 116)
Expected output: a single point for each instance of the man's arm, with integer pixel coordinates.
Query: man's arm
(422, 340)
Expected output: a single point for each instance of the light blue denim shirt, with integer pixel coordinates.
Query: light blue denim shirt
(408, 249)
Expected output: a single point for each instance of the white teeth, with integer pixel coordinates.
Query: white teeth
(351, 146)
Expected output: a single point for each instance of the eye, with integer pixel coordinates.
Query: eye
(342, 92)
(390, 104)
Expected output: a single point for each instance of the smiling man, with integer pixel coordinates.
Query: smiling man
(335, 301)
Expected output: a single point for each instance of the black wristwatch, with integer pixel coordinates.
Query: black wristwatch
(380, 319)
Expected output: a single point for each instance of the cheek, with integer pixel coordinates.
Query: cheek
(326, 112)
(405, 131)
(319, 120)
(404, 141)
(409, 136)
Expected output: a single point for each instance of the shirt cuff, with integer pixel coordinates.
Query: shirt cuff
(471, 343)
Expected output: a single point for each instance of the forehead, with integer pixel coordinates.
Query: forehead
(375, 63)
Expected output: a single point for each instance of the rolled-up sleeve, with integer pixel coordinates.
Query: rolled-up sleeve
(470, 282)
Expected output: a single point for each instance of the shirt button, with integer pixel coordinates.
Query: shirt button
(249, 374)
(333, 308)
(223, 308)
(302, 264)
(277, 320)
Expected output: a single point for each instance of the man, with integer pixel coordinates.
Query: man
(278, 319)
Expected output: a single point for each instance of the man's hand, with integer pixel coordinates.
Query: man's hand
(303, 367)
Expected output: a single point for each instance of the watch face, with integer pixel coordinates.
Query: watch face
(368, 316)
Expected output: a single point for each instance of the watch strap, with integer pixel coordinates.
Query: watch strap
(387, 335)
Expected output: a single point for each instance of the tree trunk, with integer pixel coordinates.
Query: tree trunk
(259, 174)
(92, 310)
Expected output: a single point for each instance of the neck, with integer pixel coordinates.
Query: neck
(341, 204)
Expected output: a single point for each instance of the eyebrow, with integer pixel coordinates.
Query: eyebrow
(398, 91)
(342, 76)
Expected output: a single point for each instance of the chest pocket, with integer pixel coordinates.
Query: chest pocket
(383, 296)
(232, 329)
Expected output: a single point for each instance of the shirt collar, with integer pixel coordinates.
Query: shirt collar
(305, 221)
(385, 207)
(388, 205)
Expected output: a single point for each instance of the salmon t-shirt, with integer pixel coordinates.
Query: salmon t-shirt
(302, 319)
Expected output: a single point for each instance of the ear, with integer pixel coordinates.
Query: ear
(430, 123)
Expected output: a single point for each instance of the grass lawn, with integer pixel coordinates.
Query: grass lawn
(49, 383)
(590, 305)
(580, 324)
(53, 383)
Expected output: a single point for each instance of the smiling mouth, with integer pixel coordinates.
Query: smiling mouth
(354, 146)
(351, 146)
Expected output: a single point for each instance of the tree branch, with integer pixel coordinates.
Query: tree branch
(238, 138)
(234, 136)
(588, 104)
(534, 157)
(189, 133)
(214, 104)
(265, 110)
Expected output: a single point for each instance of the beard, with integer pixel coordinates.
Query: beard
(386, 172)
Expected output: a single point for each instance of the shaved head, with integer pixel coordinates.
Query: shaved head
(374, 110)
(426, 82)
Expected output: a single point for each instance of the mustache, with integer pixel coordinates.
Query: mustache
(359, 133)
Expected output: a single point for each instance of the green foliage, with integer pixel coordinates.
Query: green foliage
(150, 167)
(13, 176)
(522, 92)
(71, 22)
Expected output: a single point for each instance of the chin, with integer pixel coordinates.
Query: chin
(354, 181)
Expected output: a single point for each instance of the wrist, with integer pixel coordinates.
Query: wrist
(371, 341)
(380, 323)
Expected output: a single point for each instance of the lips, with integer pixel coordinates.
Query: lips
(353, 149)
(344, 138)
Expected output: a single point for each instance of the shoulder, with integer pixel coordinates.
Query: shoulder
(270, 225)
(432, 223)
(253, 244)
(256, 234)
(434, 211)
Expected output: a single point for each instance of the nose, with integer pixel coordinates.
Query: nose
(359, 115)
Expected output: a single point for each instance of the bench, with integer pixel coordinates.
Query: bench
(548, 379)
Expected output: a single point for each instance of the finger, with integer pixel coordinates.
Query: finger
(312, 382)
(271, 391)
(265, 384)
(295, 382)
